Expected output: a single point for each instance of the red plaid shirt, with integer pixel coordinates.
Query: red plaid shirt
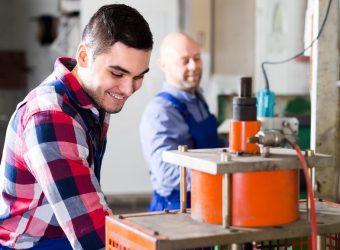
(47, 181)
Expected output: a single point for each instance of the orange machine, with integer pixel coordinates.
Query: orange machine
(264, 198)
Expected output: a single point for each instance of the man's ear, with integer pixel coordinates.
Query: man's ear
(161, 64)
(83, 55)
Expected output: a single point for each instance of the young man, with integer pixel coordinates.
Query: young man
(179, 115)
(50, 170)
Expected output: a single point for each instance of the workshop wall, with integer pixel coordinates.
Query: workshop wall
(227, 55)
(27, 62)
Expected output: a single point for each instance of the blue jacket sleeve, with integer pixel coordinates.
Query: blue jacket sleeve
(163, 128)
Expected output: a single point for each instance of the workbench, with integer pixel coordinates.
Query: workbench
(171, 230)
(178, 230)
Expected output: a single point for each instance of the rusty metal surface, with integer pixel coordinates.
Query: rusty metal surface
(173, 230)
(213, 161)
(325, 99)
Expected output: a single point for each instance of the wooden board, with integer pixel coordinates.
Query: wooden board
(174, 230)
(214, 161)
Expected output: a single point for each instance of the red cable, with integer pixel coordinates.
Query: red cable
(310, 194)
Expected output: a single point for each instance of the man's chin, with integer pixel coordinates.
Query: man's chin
(113, 110)
(189, 86)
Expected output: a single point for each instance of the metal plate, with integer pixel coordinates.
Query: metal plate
(174, 230)
(218, 161)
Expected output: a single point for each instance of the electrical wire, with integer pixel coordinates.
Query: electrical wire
(310, 195)
(297, 55)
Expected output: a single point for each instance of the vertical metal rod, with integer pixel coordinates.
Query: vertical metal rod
(311, 173)
(226, 200)
(321, 242)
(308, 206)
(183, 182)
(313, 179)
(235, 247)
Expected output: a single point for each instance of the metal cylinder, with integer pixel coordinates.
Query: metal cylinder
(244, 106)
(256, 199)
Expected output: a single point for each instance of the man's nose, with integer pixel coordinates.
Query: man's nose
(127, 87)
(192, 64)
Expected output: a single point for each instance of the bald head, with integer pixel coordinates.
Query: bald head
(176, 41)
(180, 60)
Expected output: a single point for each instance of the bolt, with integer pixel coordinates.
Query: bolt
(309, 152)
(253, 139)
(265, 151)
(239, 153)
(225, 157)
(183, 148)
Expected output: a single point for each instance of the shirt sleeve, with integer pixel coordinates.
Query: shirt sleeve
(56, 154)
(163, 128)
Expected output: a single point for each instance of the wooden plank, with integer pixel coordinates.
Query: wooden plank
(178, 230)
(212, 162)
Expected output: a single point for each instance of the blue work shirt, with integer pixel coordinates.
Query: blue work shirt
(163, 128)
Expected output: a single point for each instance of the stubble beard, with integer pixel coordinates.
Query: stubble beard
(191, 85)
(99, 103)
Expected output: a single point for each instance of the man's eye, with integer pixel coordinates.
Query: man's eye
(185, 61)
(139, 77)
(116, 74)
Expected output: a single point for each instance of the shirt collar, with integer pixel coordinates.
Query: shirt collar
(62, 70)
(178, 93)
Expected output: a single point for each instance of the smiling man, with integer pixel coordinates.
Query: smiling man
(50, 169)
(179, 115)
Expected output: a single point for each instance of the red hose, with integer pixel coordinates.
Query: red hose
(310, 195)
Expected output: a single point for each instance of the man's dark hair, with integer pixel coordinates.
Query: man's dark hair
(117, 23)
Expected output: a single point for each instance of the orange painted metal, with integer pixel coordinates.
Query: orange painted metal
(206, 189)
(119, 236)
(264, 198)
(206, 197)
(239, 132)
(257, 199)
(260, 198)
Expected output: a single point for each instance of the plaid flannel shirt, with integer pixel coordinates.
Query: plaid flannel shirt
(48, 184)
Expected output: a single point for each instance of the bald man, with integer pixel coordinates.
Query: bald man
(177, 115)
